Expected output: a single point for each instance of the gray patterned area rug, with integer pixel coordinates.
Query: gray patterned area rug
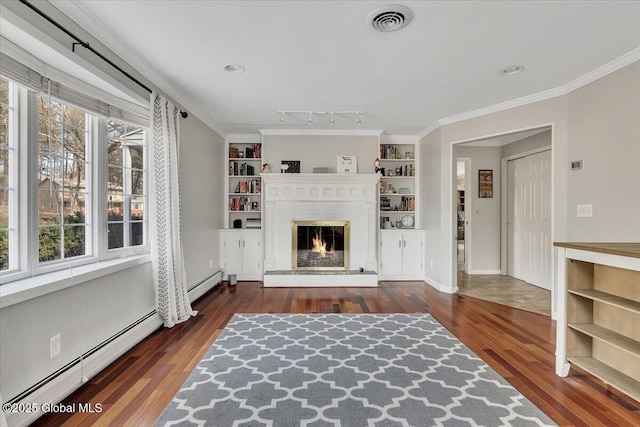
(351, 370)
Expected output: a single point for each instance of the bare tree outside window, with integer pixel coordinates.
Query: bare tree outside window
(6, 234)
(127, 197)
(62, 180)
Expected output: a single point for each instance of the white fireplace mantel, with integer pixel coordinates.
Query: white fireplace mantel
(296, 197)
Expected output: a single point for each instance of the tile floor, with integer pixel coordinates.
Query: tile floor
(503, 289)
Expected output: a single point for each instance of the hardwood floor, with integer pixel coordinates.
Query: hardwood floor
(518, 344)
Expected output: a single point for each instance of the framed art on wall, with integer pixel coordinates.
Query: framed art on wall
(290, 166)
(347, 164)
(485, 183)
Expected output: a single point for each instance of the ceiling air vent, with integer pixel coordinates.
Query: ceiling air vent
(389, 18)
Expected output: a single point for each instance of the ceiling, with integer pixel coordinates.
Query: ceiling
(323, 55)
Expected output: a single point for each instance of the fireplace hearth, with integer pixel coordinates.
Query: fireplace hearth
(320, 245)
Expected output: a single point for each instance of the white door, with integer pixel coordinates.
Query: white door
(251, 255)
(412, 255)
(391, 253)
(529, 219)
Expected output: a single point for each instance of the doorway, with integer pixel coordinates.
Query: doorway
(463, 205)
(482, 269)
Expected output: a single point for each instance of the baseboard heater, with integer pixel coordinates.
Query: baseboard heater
(97, 348)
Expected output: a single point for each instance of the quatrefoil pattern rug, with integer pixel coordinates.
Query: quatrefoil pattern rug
(351, 370)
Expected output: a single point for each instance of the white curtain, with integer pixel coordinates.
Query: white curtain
(169, 278)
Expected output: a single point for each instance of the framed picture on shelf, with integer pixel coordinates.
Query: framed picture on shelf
(347, 164)
(485, 183)
(290, 166)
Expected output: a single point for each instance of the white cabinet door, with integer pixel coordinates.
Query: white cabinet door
(231, 252)
(251, 259)
(391, 253)
(401, 255)
(412, 255)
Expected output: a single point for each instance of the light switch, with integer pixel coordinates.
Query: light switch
(585, 211)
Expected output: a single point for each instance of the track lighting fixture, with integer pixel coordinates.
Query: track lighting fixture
(331, 114)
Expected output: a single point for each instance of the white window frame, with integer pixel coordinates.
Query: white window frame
(28, 271)
(13, 208)
(126, 250)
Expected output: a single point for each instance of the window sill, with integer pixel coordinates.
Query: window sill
(43, 284)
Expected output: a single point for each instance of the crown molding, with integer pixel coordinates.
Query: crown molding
(435, 125)
(613, 66)
(248, 138)
(581, 81)
(518, 102)
(328, 132)
(75, 11)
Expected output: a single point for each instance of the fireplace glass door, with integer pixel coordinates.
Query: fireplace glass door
(320, 245)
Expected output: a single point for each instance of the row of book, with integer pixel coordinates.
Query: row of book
(243, 204)
(252, 187)
(253, 152)
(393, 152)
(407, 203)
(241, 169)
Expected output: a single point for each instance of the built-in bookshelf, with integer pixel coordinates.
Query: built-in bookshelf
(397, 190)
(244, 185)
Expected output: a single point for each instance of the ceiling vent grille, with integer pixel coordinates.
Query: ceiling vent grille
(389, 18)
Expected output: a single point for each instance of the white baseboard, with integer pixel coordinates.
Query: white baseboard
(202, 288)
(69, 381)
(440, 287)
(478, 272)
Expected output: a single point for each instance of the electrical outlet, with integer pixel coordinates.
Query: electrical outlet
(55, 346)
(585, 211)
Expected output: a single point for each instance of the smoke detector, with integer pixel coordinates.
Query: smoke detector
(389, 18)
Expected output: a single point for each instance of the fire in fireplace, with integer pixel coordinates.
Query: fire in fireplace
(320, 245)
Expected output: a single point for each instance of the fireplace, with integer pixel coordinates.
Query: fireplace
(320, 245)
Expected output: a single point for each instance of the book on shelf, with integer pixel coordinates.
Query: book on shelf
(241, 169)
(240, 204)
(253, 223)
(233, 153)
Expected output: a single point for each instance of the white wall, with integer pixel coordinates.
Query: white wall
(201, 184)
(92, 311)
(320, 151)
(430, 209)
(604, 132)
(484, 252)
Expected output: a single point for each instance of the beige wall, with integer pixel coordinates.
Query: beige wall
(598, 123)
(320, 151)
(201, 184)
(484, 248)
(604, 132)
(429, 199)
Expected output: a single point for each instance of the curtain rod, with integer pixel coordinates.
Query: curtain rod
(79, 41)
(84, 44)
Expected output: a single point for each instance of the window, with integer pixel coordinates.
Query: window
(81, 197)
(126, 177)
(7, 191)
(63, 172)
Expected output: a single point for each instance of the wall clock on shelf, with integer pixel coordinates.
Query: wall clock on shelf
(407, 221)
